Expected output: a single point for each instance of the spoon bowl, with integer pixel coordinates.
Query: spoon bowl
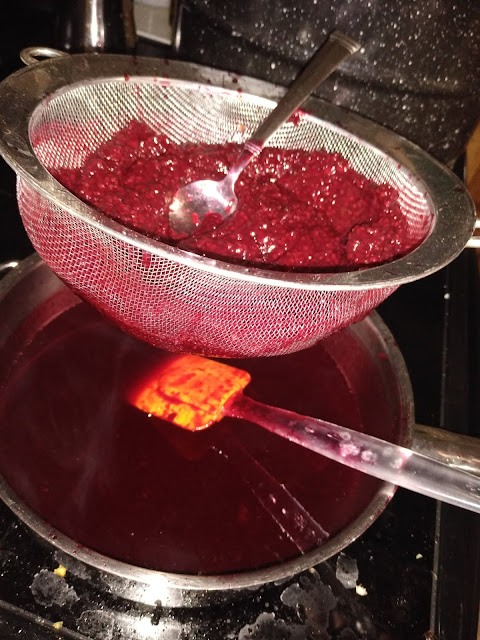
(197, 200)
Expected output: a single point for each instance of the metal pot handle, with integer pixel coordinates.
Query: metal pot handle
(456, 450)
(31, 55)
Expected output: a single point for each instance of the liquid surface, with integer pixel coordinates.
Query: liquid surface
(296, 209)
(141, 490)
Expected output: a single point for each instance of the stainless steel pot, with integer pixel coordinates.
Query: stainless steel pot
(32, 284)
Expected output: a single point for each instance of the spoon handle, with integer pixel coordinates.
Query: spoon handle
(366, 453)
(332, 53)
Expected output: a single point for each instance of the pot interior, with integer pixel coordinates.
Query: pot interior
(229, 500)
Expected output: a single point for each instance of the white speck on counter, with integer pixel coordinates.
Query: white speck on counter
(50, 589)
(361, 591)
(97, 624)
(266, 625)
(347, 571)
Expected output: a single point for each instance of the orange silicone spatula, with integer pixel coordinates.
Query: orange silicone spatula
(194, 392)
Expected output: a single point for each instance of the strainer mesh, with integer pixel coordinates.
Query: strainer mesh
(170, 304)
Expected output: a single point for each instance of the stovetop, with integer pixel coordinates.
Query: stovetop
(413, 574)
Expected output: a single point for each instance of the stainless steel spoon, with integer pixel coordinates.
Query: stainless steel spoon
(193, 202)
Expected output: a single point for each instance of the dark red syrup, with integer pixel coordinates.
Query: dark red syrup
(229, 498)
(297, 209)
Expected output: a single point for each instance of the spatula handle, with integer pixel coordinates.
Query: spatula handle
(371, 455)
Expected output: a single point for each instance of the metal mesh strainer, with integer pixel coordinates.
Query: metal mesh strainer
(56, 112)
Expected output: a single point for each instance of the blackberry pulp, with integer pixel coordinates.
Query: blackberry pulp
(296, 209)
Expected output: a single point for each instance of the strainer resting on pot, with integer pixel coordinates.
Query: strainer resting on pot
(54, 113)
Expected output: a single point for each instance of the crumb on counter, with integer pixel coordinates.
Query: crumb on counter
(60, 571)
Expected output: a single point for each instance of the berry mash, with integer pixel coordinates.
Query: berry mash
(296, 209)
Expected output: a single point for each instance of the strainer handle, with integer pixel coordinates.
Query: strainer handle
(338, 47)
(5, 267)
(31, 55)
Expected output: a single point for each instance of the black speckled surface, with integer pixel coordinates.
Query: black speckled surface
(409, 589)
(418, 73)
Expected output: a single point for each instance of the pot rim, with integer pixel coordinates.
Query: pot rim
(154, 580)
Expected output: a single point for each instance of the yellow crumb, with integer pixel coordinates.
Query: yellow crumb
(58, 625)
(60, 571)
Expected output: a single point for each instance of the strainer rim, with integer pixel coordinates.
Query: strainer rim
(22, 93)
